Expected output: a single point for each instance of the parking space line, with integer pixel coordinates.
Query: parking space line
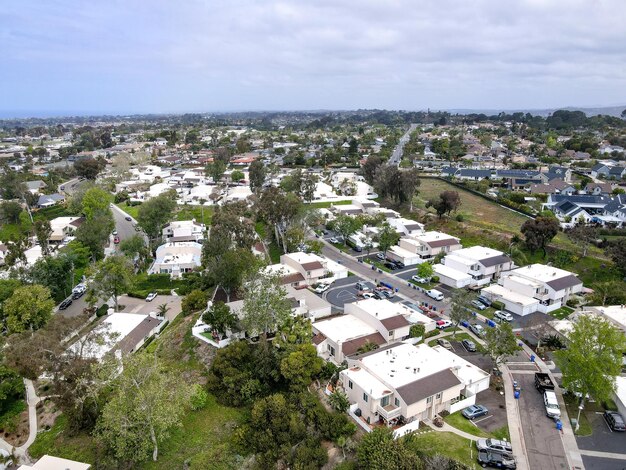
(481, 420)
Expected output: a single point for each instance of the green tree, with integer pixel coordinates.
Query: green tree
(95, 202)
(460, 308)
(237, 176)
(216, 170)
(608, 293)
(28, 308)
(112, 277)
(256, 175)
(194, 301)
(379, 450)
(583, 235)
(94, 234)
(220, 317)
(155, 213)
(500, 343)
(280, 210)
(301, 366)
(339, 401)
(617, 251)
(425, 270)
(229, 269)
(346, 226)
(146, 404)
(134, 246)
(592, 359)
(265, 305)
(387, 237)
(88, 168)
(43, 232)
(539, 232)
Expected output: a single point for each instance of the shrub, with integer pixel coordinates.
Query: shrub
(416, 330)
(430, 334)
(199, 398)
(434, 279)
(459, 218)
(497, 305)
(102, 310)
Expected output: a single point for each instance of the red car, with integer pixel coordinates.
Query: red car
(116, 240)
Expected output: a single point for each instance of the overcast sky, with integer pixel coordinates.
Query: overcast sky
(137, 56)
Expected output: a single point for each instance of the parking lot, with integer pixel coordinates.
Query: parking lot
(602, 439)
(543, 441)
(343, 291)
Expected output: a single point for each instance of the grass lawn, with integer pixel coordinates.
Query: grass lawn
(10, 412)
(562, 312)
(457, 420)
(9, 231)
(133, 211)
(203, 440)
(326, 205)
(445, 443)
(571, 403)
(57, 442)
(187, 212)
(145, 283)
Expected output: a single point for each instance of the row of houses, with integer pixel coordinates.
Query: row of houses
(588, 208)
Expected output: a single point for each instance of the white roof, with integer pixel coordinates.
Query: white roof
(48, 462)
(402, 252)
(476, 253)
(620, 389)
(343, 328)
(406, 363)
(301, 257)
(616, 313)
(380, 309)
(432, 236)
(443, 270)
(541, 272)
(118, 325)
(510, 295)
(374, 387)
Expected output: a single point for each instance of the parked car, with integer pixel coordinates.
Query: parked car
(333, 240)
(128, 218)
(474, 411)
(388, 294)
(434, 294)
(493, 459)
(380, 256)
(615, 421)
(552, 405)
(469, 345)
(116, 240)
(494, 446)
(444, 343)
(504, 316)
(441, 324)
(114, 232)
(484, 300)
(367, 295)
(66, 303)
(399, 264)
(543, 382)
(419, 280)
(361, 286)
(379, 295)
(77, 294)
(478, 305)
(322, 287)
(151, 296)
(391, 266)
(478, 330)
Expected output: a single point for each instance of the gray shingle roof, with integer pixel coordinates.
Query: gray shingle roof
(564, 282)
(428, 386)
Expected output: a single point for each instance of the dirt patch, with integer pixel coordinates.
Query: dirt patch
(47, 414)
(16, 433)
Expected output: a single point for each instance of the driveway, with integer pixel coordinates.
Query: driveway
(542, 440)
(602, 439)
(133, 305)
(602, 463)
(344, 292)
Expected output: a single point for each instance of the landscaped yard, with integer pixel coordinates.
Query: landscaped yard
(562, 312)
(145, 283)
(133, 211)
(571, 403)
(457, 420)
(59, 443)
(326, 205)
(187, 212)
(445, 443)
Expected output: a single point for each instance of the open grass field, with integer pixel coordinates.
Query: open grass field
(448, 444)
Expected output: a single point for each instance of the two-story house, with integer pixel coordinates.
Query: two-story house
(184, 231)
(474, 266)
(423, 247)
(300, 269)
(533, 288)
(378, 322)
(403, 383)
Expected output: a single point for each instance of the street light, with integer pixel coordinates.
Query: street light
(580, 408)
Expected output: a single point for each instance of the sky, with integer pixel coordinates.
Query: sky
(164, 56)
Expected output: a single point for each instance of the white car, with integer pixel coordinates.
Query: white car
(419, 280)
(151, 296)
(442, 324)
(321, 287)
(333, 240)
(114, 232)
(505, 316)
(368, 295)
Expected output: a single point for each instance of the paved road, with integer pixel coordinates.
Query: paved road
(70, 186)
(125, 229)
(396, 156)
(543, 442)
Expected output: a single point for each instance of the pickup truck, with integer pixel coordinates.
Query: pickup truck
(543, 382)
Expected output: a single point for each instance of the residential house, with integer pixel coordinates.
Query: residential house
(301, 269)
(535, 287)
(406, 227)
(423, 247)
(64, 227)
(472, 267)
(48, 200)
(617, 173)
(406, 383)
(184, 231)
(49, 462)
(559, 173)
(516, 179)
(176, 258)
(4, 251)
(599, 189)
(600, 170)
(366, 321)
(472, 174)
(36, 187)
(555, 186)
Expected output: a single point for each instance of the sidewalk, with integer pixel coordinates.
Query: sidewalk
(447, 428)
(514, 421)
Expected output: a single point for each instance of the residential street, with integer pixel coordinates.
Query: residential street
(396, 156)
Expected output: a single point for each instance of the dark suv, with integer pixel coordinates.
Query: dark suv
(496, 460)
(66, 303)
(615, 421)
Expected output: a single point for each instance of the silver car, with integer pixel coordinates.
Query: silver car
(494, 445)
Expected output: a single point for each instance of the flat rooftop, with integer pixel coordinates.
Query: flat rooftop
(476, 253)
(432, 236)
(344, 328)
(405, 363)
(541, 272)
(443, 270)
(509, 295)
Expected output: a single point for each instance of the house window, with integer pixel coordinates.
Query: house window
(396, 402)
(350, 384)
(429, 399)
(365, 397)
(438, 396)
(384, 401)
(391, 333)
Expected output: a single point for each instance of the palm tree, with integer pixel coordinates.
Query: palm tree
(202, 201)
(339, 401)
(162, 310)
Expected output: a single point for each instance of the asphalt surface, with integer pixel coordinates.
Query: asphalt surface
(396, 156)
(600, 463)
(602, 439)
(344, 292)
(125, 229)
(543, 443)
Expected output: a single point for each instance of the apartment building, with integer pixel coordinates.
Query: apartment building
(474, 266)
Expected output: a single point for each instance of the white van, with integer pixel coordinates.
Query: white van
(435, 294)
(551, 404)
(505, 316)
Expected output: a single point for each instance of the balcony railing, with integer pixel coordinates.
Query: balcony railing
(389, 412)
